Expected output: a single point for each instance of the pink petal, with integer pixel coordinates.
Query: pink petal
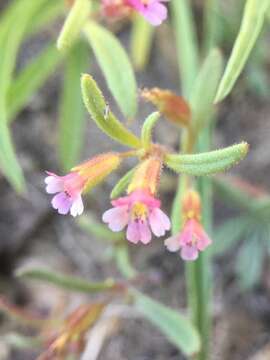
(54, 184)
(145, 233)
(155, 13)
(133, 232)
(189, 253)
(172, 243)
(117, 218)
(159, 222)
(77, 206)
(203, 239)
(186, 236)
(62, 203)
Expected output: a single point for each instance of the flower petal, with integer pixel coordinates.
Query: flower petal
(189, 253)
(172, 243)
(77, 206)
(203, 239)
(159, 222)
(145, 233)
(117, 218)
(155, 13)
(54, 184)
(62, 203)
(133, 232)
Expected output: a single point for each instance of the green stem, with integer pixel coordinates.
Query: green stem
(203, 264)
(123, 261)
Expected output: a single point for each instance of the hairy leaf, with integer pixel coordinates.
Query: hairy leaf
(104, 118)
(147, 129)
(207, 163)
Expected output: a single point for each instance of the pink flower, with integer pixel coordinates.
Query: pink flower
(154, 11)
(141, 213)
(190, 241)
(68, 191)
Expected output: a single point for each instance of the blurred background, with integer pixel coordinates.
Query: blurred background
(33, 234)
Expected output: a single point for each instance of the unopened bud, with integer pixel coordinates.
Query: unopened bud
(172, 106)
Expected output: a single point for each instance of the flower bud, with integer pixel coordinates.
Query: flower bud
(172, 106)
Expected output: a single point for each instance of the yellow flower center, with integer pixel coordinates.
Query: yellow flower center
(139, 211)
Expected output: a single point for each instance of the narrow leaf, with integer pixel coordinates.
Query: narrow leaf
(72, 111)
(228, 234)
(186, 43)
(171, 323)
(49, 12)
(249, 262)
(8, 51)
(115, 67)
(141, 41)
(122, 184)
(252, 24)
(233, 195)
(147, 129)
(104, 118)
(70, 283)
(30, 79)
(73, 24)
(202, 97)
(207, 163)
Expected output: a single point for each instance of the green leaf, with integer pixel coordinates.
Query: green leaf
(178, 329)
(8, 50)
(207, 163)
(72, 111)
(249, 262)
(233, 195)
(212, 24)
(70, 283)
(122, 184)
(115, 66)
(48, 12)
(105, 120)
(252, 24)
(94, 228)
(141, 41)
(228, 234)
(186, 43)
(202, 97)
(30, 79)
(74, 23)
(147, 129)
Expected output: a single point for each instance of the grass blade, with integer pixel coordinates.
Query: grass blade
(30, 79)
(141, 42)
(252, 24)
(186, 43)
(72, 111)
